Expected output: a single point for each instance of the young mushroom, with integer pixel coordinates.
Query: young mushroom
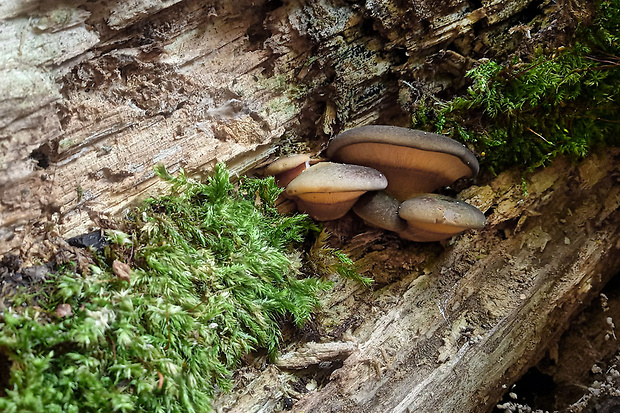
(413, 161)
(434, 217)
(380, 209)
(287, 168)
(327, 190)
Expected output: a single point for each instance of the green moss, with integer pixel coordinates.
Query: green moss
(215, 269)
(323, 259)
(565, 103)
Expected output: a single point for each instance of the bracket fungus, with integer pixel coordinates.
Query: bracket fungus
(434, 217)
(380, 209)
(327, 190)
(413, 161)
(287, 168)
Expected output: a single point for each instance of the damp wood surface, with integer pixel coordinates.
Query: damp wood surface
(94, 95)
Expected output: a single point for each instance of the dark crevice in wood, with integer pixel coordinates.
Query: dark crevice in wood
(258, 32)
(41, 156)
(561, 379)
(532, 11)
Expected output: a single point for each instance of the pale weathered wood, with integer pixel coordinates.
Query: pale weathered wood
(106, 121)
(102, 91)
(313, 354)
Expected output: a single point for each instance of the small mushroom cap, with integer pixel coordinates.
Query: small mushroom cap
(413, 161)
(285, 163)
(434, 217)
(336, 177)
(287, 168)
(328, 190)
(380, 209)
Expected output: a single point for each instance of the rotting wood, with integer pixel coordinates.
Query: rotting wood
(453, 332)
(97, 93)
(314, 354)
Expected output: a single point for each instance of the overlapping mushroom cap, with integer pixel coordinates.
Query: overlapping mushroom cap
(287, 168)
(434, 217)
(327, 190)
(380, 209)
(413, 161)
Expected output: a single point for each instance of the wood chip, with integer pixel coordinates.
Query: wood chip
(64, 310)
(121, 270)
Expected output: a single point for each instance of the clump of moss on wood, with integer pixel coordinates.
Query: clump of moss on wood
(526, 113)
(215, 270)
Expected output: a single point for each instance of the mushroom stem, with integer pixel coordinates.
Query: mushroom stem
(429, 232)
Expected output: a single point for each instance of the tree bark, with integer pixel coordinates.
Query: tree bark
(95, 94)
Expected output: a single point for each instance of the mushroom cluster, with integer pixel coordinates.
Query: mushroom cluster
(386, 174)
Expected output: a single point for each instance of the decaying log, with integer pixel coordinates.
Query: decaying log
(462, 324)
(94, 94)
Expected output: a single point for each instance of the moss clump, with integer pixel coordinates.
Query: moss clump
(215, 269)
(526, 113)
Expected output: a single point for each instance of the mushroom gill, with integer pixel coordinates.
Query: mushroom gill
(413, 161)
(434, 217)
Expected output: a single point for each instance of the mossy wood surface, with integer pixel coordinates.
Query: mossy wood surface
(95, 94)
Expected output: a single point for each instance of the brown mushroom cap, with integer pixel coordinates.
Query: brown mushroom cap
(380, 209)
(413, 161)
(287, 168)
(328, 190)
(434, 217)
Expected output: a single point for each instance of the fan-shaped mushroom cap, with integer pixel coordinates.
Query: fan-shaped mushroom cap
(328, 190)
(380, 209)
(287, 168)
(434, 217)
(413, 161)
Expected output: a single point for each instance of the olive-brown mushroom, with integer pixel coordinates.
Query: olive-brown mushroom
(434, 217)
(327, 190)
(287, 168)
(413, 161)
(380, 209)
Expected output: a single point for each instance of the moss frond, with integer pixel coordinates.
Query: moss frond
(214, 271)
(527, 113)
